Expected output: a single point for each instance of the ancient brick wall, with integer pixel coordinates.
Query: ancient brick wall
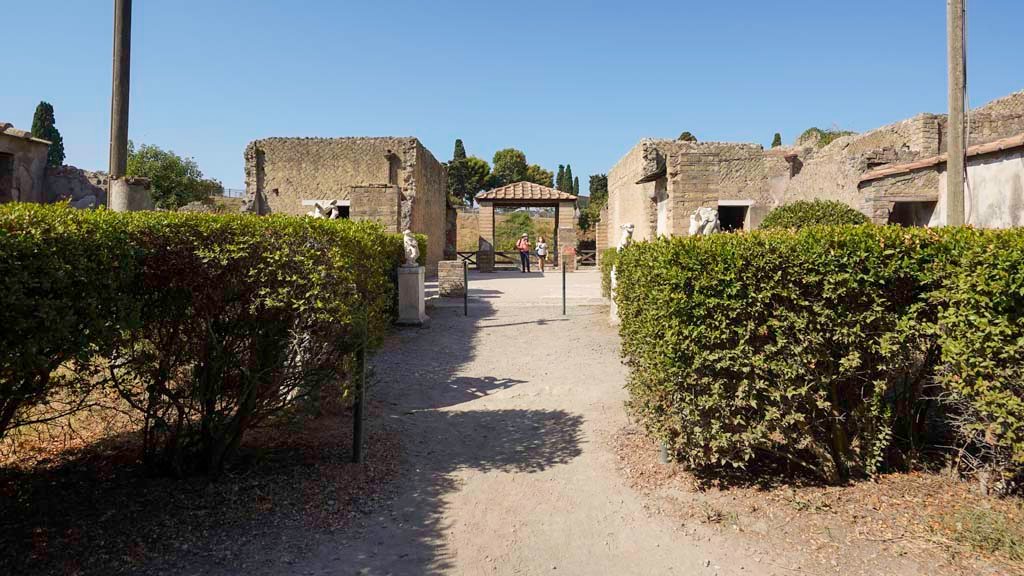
(378, 202)
(629, 202)
(288, 171)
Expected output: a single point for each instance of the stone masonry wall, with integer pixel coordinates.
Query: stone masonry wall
(629, 202)
(26, 181)
(378, 202)
(70, 183)
(287, 171)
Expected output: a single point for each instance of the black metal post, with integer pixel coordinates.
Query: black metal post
(563, 284)
(465, 288)
(359, 406)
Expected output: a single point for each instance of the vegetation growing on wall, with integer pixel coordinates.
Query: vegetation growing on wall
(821, 138)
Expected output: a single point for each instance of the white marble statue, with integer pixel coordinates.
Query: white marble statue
(330, 211)
(704, 222)
(627, 236)
(412, 250)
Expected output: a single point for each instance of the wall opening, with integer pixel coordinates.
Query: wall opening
(732, 218)
(6, 178)
(911, 213)
(394, 167)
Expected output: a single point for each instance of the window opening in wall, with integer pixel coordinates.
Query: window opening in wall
(394, 165)
(732, 218)
(912, 213)
(6, 178)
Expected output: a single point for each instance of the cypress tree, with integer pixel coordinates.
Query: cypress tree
(777, 141)
(460, 150)
(576, 186)
(44, 126)
(560, 179)
(567, 187)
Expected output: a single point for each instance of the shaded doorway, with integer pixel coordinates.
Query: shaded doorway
(912, 213)
(732, 218)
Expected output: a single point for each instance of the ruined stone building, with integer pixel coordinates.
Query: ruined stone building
(25, 177)
(395, 181)
(891, 174)
(22, 165)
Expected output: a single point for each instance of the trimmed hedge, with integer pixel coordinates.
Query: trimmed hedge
(814, 346)
(608, 258)
(981, 331)
(815, 213)
(210, 323)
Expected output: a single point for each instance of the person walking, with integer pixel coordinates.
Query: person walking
(523, 245)
(542, 252)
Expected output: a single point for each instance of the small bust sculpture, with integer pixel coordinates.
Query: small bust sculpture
(704, 222)
(412, 250)
(627, 236)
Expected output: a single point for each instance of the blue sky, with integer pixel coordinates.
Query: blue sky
(566, 82)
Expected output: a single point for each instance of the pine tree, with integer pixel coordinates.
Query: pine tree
(777, 141)
(460, 150)
(560, 179)
(44, 127)
(576, 186)
(567, 183)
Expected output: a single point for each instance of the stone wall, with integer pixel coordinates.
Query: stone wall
(377, 202)
(70, 184)
(22, 166)
(288, 171)
(628, 201)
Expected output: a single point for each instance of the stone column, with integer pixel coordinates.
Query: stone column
(129, 194)
(485, 249)
(566, 231)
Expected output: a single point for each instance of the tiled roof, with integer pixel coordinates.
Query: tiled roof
(976, 150)
(526, 191)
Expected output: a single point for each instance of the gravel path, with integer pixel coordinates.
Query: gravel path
(507, 419)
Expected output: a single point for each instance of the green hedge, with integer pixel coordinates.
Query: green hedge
(608, 258)
(981, 331)
(815, 213)
(814, 346)
(210, 323)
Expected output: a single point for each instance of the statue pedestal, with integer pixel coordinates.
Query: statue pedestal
(411, 307)
(613, 312)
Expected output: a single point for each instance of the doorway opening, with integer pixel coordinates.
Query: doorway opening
(6, 178)
(732, 218)
(912, 213)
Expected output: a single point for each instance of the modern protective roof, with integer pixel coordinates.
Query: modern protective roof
(526, 192)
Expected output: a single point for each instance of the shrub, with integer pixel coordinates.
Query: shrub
(220, 321)
(608, 258)
(816, 213)
(64, 277)
(981, 331)
(794, 345)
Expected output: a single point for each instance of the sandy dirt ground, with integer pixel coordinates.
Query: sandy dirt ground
(508, 419)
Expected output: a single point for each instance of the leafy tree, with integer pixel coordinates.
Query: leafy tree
(175, 181)
(508, 166)
(466, 175)
(777, 141)
(576, 186)
(687, 137)
(538, 175)
(598, 191)
(44, 126)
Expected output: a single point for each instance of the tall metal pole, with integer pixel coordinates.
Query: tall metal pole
(956, 148)
(121, 83)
